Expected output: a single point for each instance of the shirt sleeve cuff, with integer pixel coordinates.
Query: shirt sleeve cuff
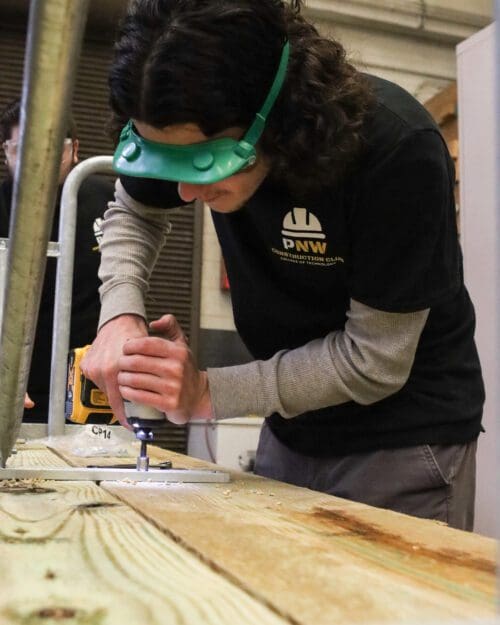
(122, 299)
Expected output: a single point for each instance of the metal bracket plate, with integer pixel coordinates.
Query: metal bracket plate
(101, 474)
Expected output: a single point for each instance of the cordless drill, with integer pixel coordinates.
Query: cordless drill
(85, 403)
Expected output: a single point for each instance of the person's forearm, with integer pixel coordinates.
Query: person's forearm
(133, 235)
(369, 360)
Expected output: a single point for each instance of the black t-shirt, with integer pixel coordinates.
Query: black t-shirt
(386, 237)
(93, 196)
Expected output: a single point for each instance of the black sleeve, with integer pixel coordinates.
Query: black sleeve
(405, 245)
(158, 193)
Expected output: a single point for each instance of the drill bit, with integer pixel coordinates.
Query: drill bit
(145, 435)
(142, 458)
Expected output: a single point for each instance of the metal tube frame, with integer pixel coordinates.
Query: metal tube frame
(64, 286)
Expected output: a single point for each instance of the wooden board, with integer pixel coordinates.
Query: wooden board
(70, 552)
(301, 557)
(319, 559)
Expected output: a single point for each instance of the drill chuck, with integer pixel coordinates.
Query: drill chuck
(140, 416)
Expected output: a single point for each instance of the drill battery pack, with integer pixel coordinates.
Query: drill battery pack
(85, 403)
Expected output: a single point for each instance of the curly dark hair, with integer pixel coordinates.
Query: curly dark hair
(212, 62)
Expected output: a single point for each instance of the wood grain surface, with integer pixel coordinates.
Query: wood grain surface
(70, 552)
(318, 559)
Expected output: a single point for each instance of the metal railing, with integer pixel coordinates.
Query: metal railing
(64, 286)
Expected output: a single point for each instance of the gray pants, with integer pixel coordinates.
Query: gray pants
(429, 481)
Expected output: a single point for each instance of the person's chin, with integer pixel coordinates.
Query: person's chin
(224, 205)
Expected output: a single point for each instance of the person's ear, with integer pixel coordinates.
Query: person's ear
(76, 146)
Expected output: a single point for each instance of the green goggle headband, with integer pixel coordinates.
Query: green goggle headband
(196, 163)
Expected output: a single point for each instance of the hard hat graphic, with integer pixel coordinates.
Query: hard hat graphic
(300, 222)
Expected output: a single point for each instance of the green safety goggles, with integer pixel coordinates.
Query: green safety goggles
(196, 163)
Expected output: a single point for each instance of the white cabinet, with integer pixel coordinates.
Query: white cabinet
(230, 442)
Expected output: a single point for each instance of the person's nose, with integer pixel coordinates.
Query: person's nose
(189, 192)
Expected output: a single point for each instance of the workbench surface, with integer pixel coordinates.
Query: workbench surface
(253, 551)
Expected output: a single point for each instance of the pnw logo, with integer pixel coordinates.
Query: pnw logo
(302, 232)
(304, 242)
